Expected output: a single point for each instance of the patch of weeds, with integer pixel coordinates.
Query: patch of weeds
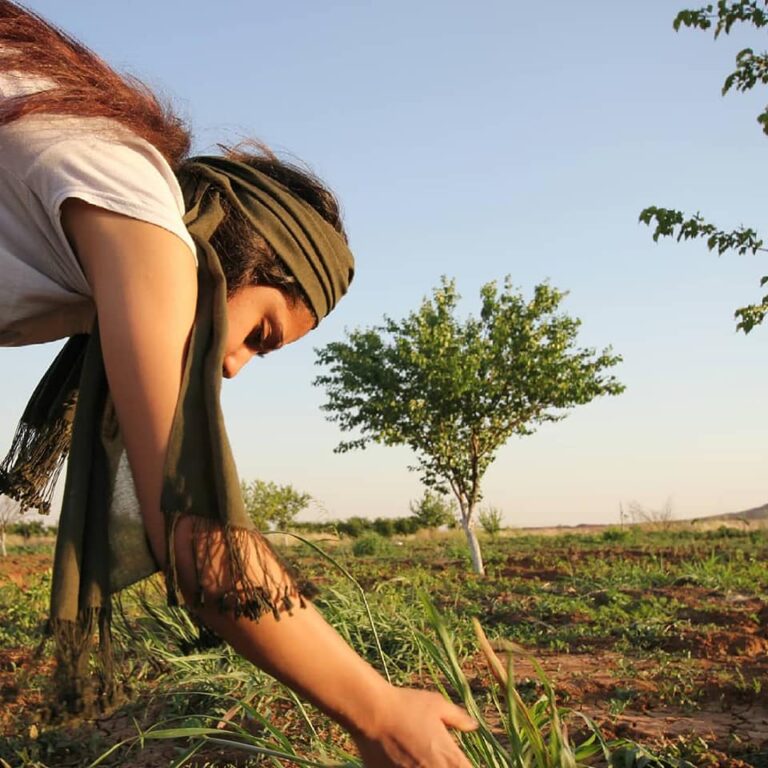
(620, 699)
(23, 611)
(613, 534)
(41, 747)
(676, 680)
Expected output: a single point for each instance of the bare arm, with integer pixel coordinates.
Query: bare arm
(144, 283)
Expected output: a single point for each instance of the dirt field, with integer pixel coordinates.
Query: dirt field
(662, 642)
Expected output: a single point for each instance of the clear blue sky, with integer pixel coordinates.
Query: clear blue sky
(478, 140)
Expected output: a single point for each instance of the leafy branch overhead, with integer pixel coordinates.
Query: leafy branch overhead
(751, 70)
(723, 15)
(671, 223)
(454, 391)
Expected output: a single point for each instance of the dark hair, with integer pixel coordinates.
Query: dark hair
(84, 85)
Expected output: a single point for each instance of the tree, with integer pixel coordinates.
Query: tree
(751, 70)
(433, 510)
(269, 504)
(455, 391)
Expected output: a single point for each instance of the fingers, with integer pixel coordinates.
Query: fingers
(457, 717)
(455, 757)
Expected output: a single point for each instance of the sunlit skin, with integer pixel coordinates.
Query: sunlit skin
(261, 320)
(144, 285)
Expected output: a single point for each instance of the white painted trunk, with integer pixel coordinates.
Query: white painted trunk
(474, 545)
(3, 550)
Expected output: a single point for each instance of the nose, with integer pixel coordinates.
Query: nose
(234, 361)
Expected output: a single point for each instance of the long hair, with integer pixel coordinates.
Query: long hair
(82, 83)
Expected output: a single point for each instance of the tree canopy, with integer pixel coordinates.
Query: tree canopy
(454, 391)
(751, 70)
(269, 504)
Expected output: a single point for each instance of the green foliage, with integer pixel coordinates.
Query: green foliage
(22, 612)
(433, 510)
(315, 526)
(532, 735)
(406, 525)
(269, 504)
(355, 527)
(384, 526)
(751, 70)
(491, 519)
(726, 15)
(454, 391)
(671, 223)
(615, 534)
(28, 528)
(369, 544)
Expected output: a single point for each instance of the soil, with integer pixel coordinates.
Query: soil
(715, 691)
(721, 671)
(19, 568)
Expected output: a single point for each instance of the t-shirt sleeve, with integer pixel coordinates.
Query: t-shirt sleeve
(116, 171)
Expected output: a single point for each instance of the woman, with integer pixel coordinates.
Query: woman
(186, 280)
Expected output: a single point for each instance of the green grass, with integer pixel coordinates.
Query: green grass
(625, 590)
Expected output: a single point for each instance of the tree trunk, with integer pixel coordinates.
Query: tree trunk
(467, 523)
(3, 550)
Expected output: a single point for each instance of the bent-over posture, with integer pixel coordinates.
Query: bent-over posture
(166, 273)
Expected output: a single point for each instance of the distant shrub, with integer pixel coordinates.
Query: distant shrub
(384, 526)
(433, 510)
(369, 544)
(354, 527)
(28, 528)
(490, 519)
(315, 526)
(615, 534)
(406, 525)
(660, 518)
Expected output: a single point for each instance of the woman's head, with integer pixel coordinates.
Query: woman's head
(276, 232)
(83, 84)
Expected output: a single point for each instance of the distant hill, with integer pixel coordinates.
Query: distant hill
(757, 514)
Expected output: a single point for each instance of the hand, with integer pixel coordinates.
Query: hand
(411, 731)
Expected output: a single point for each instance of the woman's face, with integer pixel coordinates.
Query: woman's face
(261, 319)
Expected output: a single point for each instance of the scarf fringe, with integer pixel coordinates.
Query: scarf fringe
(40, 445)
(256, 580)
(261, 583)
(79, 689)
(31, 469)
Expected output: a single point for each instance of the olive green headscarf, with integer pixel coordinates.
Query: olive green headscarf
(314, 252)
(101, 546)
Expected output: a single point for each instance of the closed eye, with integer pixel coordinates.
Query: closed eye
(255, 341)
(265, 339)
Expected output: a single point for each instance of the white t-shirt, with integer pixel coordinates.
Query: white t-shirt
(43, 161)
